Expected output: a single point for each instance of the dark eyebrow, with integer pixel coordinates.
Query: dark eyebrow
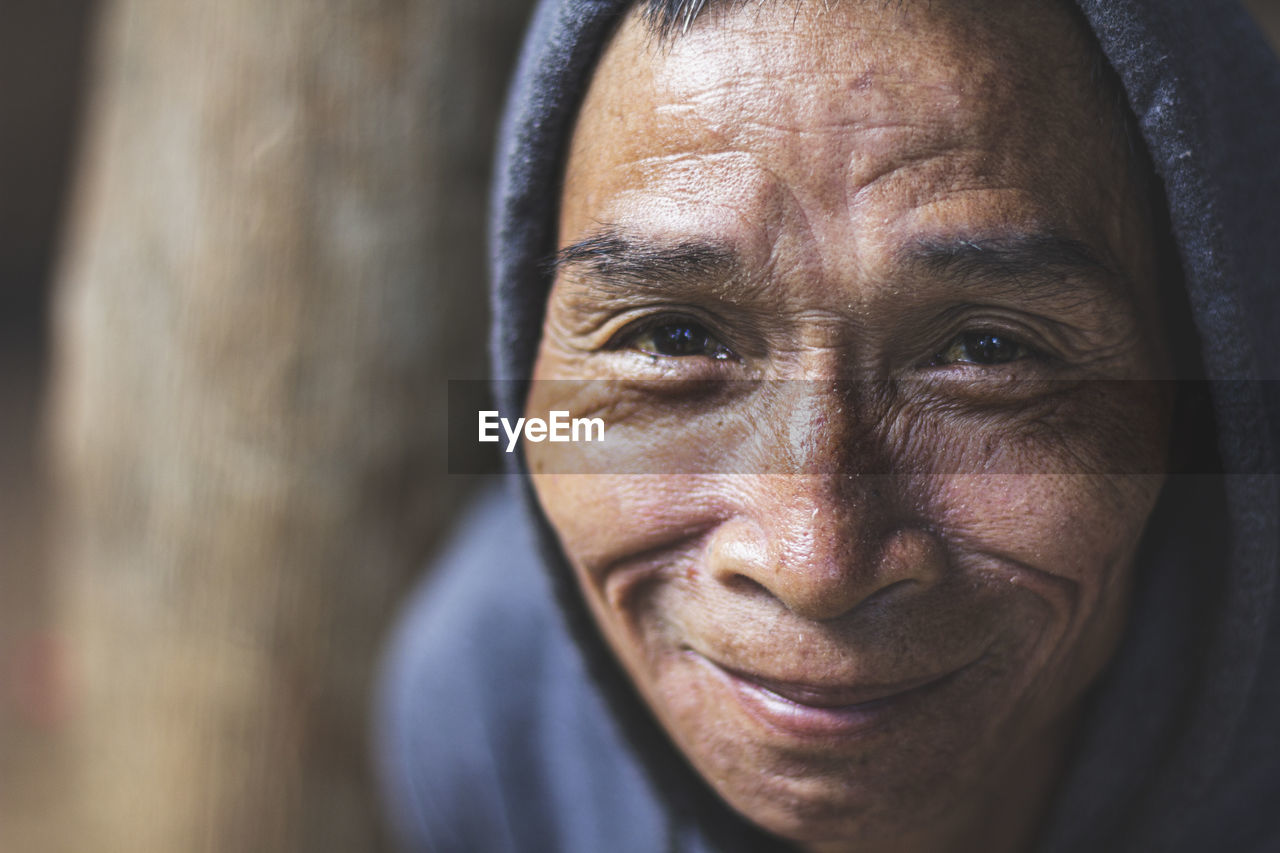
(1023, 265)
(1028, 264)
(633, 263)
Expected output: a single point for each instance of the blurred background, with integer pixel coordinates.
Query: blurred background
(241, 250)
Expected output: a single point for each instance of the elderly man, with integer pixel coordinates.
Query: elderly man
(879, 303)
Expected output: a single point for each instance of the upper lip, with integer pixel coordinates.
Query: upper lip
(835, 696)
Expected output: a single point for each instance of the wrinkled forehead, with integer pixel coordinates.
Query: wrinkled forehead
(822, 102)
(1005, 32)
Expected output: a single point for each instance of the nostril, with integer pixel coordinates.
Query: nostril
(743, 585)
(886, 592)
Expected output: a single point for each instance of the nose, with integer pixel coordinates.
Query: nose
(822, 552)
(826, 537)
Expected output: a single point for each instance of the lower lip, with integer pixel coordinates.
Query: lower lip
(815, 722)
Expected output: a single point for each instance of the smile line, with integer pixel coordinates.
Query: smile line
(836, 698)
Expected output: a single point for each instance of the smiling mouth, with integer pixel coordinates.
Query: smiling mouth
(817, 711)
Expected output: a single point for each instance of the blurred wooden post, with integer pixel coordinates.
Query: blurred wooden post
(275, 260)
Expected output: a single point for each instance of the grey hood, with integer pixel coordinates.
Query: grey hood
(1180, 745)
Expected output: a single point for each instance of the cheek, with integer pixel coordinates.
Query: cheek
(1071, 526)
(1060, 549)
(636, 545)
(607, 522)
(1060, 486)
(1072, 482)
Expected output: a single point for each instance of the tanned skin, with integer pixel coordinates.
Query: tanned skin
(870, 288)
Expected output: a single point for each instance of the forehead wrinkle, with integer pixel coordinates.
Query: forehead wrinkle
(993, 80)
(830, 100)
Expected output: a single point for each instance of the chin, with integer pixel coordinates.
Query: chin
(895, 770)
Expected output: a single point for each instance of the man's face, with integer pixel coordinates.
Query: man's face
(908, 228)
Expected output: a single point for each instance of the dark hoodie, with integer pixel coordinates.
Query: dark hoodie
(505, 725)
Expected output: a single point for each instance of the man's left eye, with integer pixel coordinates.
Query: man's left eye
(981, 348)
(679, 339)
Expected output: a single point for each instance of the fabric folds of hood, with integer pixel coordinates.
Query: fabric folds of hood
(504, 724)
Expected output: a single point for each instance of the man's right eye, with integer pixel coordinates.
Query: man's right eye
(678, 339)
